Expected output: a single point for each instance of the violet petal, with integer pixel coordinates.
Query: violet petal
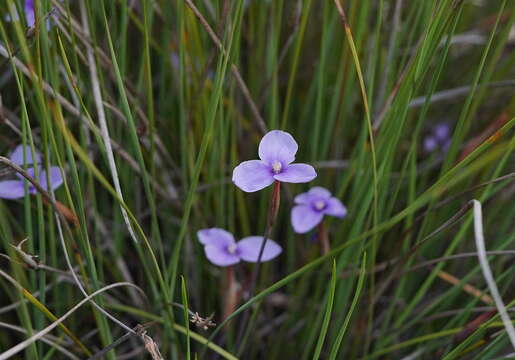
(314, 194)
(442, 131)
(297, 173)
(335, 208)
(30, 13)
(220, 256)
(278, 146)
(11, 189)
(305, 218)
(319, 192)
(430, 144)
(216, 237)
(304, 198)
(252, 175)
(56, 178)
(17, 156)
(249, 247)
(31, 172)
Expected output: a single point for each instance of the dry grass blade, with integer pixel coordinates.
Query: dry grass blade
(104, 130)
(41, 307)
(469, 289)
(16, 349)
(52, 342)
(487, 272)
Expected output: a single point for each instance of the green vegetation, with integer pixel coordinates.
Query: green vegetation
(148, 106)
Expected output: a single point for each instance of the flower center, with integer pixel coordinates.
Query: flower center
(320, 205)
(232, 249)
(276, 167)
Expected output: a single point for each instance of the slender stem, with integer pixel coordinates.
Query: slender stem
(272, 215)
(230, 294)
(323, 238)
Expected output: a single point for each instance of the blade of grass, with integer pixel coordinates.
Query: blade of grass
(327, 316)
(361, 280)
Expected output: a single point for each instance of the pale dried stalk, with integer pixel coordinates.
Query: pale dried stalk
(104, 130)
(487, 272)
(40, 334)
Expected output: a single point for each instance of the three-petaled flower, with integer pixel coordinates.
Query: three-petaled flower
(14, 189)
(277, 151)
(222, 250)
(439, 138)
(311, 207)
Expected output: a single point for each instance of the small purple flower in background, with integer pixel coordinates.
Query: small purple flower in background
(311, 207)
(30, 15)
(15, 189)
(277, 151)
(222, 250)
(439, 138)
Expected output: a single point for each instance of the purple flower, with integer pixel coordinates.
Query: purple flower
(277, 151)
(439, 138)
(311, 207)
(222, 250)
(14, 189)
(30, 15)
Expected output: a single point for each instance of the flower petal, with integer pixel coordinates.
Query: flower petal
(297, 173)
(305, 218)
(30, 172)
(430, 144)
(29, 13)
(335, 208)
(249, 247)
(215, 236)
(320, 192)
(304, 198)
(442, 131)
(11, 189)
(252, 175)
(17, 156)
(56, 179)
(278, 145)
(220, 256)
(314, 194)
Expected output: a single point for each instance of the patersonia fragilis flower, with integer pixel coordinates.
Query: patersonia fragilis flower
(277, 151)
(311, 207)
(439, 138)
(14, 189)
(222, 250)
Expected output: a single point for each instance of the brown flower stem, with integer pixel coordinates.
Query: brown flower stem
(323, 238)
(230, 293)
(272, 216)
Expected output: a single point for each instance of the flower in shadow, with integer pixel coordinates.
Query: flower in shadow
(311, 207)
(221, 249)
(438, 139)
(15, 189)
(30, 15)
